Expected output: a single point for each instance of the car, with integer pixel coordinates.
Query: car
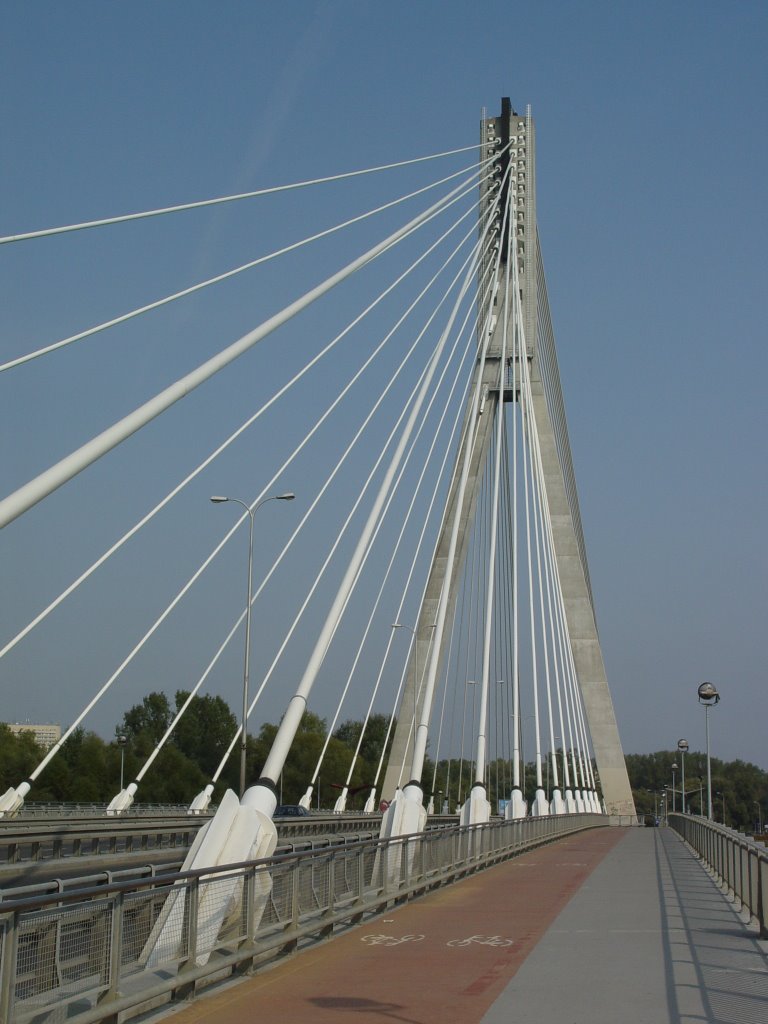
(291, 811)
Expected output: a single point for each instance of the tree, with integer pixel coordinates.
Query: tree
(19, 755)
(150, 718)
(348, 733)
(205, 730)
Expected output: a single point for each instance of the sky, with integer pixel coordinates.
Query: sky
(651, 171)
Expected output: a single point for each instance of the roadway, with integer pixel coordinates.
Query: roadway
(602, 926)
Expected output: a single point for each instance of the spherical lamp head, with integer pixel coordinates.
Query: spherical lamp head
(708, 694)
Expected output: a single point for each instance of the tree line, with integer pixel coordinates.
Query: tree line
(87, 768)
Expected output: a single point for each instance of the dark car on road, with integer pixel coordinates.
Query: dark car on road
(291, 811)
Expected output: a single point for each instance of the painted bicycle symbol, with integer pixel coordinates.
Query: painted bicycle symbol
(389, 940)
(481, 940)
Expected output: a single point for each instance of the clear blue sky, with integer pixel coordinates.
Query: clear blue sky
(652, 212)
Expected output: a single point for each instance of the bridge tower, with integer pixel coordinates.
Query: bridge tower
(518, 147)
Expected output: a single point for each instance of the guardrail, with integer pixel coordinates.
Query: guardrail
(21, 842)
(738, 862)
(88, 956)
(72, 810)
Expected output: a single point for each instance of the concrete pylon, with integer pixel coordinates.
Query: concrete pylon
(514, 136)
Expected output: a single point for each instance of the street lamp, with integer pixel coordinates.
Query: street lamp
(759, 817)
(708, 696)
(718, 793)
(121, 742)
(674, 769)
(682, 746)
(217, 500)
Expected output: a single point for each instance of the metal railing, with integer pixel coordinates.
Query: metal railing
(88, 956)
(738, 862)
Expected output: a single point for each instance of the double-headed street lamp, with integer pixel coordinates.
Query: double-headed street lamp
(708, 697)
(218, 500)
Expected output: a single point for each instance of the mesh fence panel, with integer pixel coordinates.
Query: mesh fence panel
(344, 881)
(313, 886)
(169, 939)
(62, 953)
(278, 907)
(141, 911)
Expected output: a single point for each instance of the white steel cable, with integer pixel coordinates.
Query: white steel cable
(354, 582)
(289, 725)
(552, 580)
(35, 490)
(401, 604)
(406, 520)
(420, 745)
(324, 487)
(229, 440)
(480, 758)
(320, 574)
(298, 529)
(217, 279)
(195, 576)
(161, 211)
(531, 604)
(400, 610)
(538, 528)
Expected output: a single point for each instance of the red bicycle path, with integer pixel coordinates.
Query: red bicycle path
(444, 957)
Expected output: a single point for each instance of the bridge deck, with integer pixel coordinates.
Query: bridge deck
(610, 925)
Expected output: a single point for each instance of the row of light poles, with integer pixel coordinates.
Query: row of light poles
(708, 697)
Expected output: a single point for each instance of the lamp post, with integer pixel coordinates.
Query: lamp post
(682, 746)
(722, 795)
(121, 742)
(218, 500)
(674, 770)
(708, 696)
(759, 817)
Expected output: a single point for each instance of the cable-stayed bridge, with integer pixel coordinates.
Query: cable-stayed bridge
(466, 428)
(404, 393)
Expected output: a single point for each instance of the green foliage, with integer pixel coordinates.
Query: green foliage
(737, 786)
(302, 761)
(149, 719)
(348, 733)
(18, 757)
(205, 730)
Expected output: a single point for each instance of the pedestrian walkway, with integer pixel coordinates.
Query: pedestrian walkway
(608, 925)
